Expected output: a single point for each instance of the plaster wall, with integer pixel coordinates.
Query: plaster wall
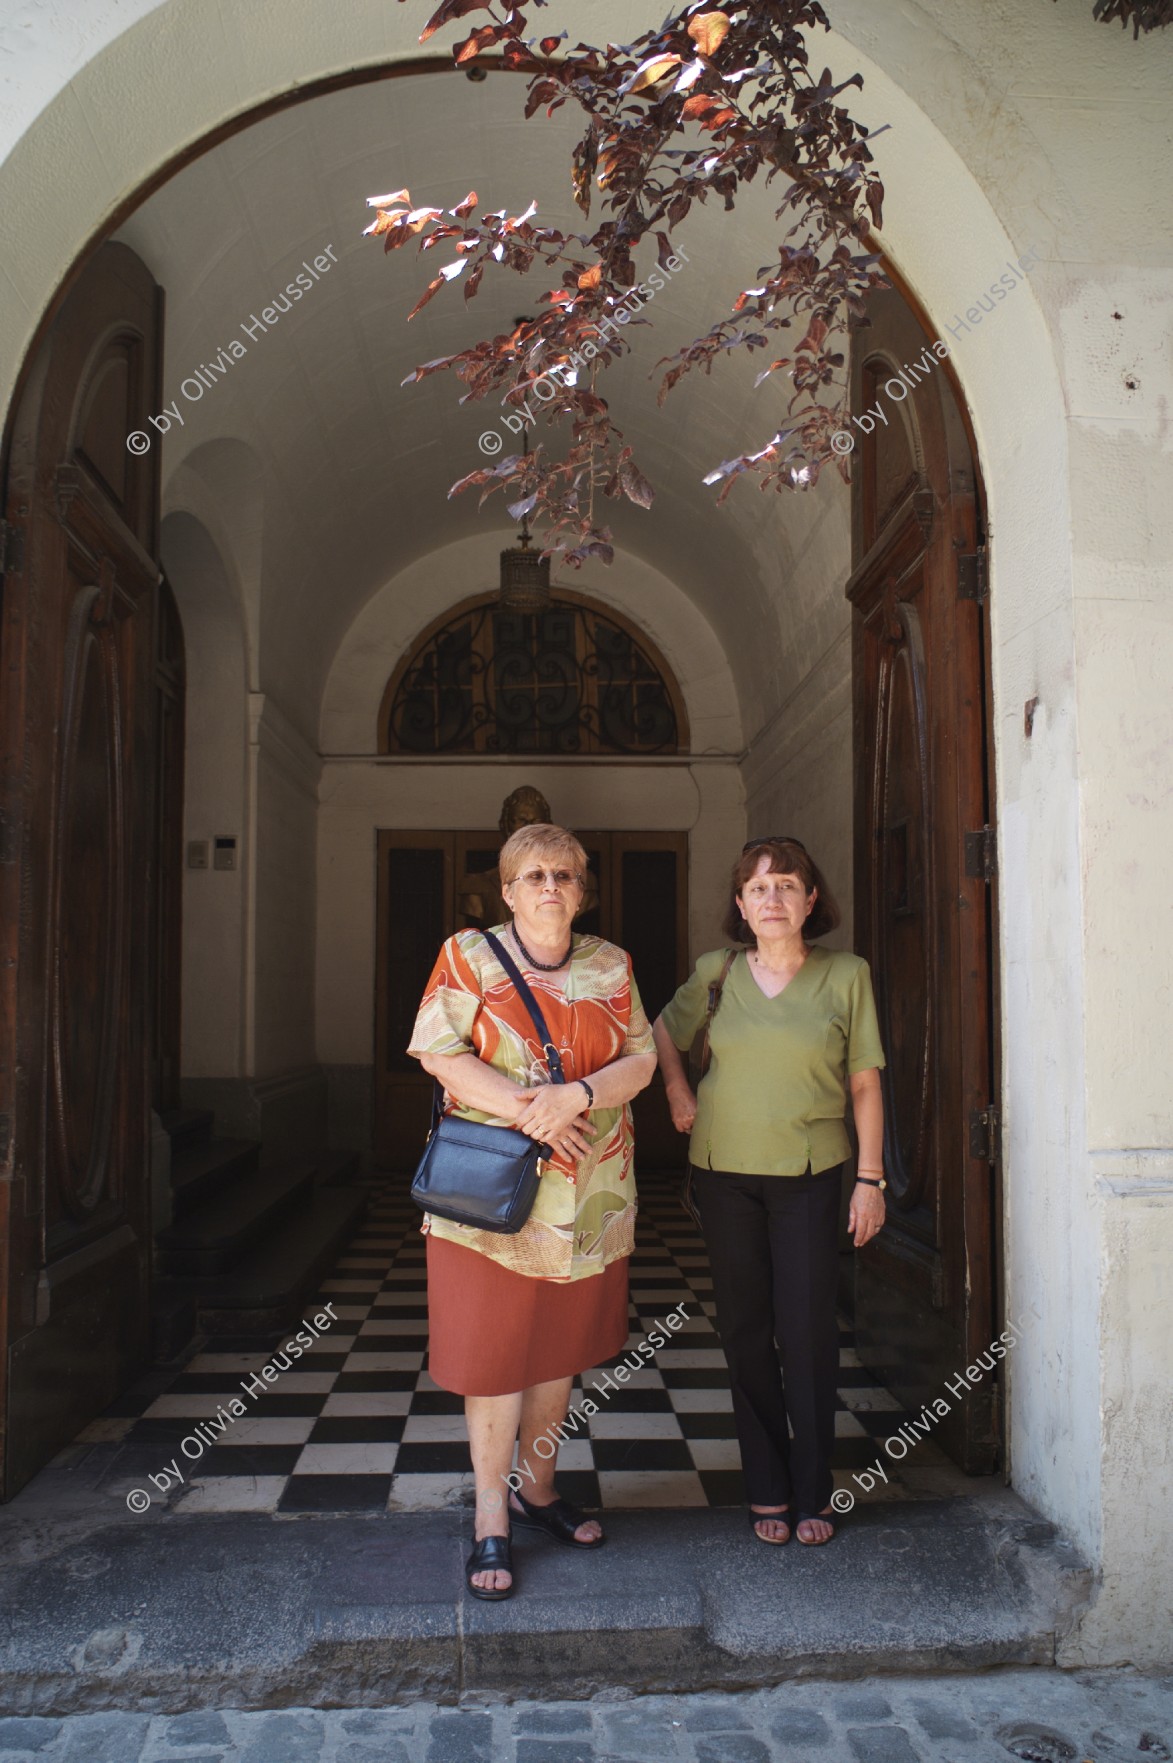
(1010, 128)
(797, 764)
(285, 772)
(214, 801)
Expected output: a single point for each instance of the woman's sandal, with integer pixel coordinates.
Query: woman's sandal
(783, 1517)
(816, 1518)
(559, 1520)
(490, 1555)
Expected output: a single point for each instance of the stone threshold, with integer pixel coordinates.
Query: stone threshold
(165, 1615)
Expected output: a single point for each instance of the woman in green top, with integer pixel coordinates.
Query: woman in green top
(795, 1032)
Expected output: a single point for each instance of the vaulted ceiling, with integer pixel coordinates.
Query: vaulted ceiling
(353, 467)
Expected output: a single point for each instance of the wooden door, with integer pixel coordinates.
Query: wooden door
(649, 887)
(167, 854)
(923, 867)
(76, 795)
(641, 881)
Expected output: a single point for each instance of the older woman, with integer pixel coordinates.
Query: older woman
(793, 1033)
(512, 1319)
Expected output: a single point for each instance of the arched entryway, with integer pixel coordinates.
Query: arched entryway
(759, 644)
(790, 697)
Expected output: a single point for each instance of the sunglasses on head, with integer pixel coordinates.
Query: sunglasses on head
(773, 839)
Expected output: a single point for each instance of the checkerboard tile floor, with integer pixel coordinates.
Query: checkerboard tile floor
(357, 1425)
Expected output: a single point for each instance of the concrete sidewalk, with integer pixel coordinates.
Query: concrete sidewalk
(163, 1614)
(1041, 1716)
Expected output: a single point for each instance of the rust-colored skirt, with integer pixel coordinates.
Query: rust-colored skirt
(492, 1332)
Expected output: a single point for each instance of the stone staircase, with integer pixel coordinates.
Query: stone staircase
(249, 1239)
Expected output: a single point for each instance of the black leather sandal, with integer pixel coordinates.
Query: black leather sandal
(490, 1555)
(830, 1518)
(559, 1520)
(783, 1517)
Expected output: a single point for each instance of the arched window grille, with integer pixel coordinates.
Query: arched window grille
(575, 677)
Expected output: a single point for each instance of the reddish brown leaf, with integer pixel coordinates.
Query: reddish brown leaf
(813, 340)
(448, 11)
(636, 487)
(389, 201)
(591, 278)
(708, 31)
(466, 207)
(480, 39)
(650, 72)
(432, 289)
(380, 225)
(422, 372)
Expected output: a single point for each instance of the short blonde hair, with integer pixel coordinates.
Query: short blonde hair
(542, 841)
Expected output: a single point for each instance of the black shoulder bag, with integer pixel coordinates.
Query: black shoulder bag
(486, 1176)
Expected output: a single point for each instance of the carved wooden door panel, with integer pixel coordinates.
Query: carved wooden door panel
(77, 794)
(167, 855)
(925, 1290)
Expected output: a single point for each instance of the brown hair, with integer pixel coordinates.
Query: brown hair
(786, 858)
(540, 840)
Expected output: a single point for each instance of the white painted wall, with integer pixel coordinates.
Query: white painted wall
(1010, 128)
(797, 768)
(285, 772)
(212, 1035)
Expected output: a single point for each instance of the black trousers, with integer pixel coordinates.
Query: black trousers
(773, 1244)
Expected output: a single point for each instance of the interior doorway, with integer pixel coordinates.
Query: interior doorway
(641, 881)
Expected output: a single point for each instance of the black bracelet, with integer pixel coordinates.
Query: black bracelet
(867, 1182)
(590, 1093)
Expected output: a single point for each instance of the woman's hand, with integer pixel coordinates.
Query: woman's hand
(682, 1106)
(866, 1214)
(554, 1115)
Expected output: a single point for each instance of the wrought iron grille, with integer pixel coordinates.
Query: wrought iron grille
(567, 679)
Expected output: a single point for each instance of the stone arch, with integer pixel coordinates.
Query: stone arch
(393, 620)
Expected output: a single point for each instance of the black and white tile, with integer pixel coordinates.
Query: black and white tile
(357, 1425)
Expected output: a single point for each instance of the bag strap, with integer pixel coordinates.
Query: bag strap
(553, 1056)
(715, 990)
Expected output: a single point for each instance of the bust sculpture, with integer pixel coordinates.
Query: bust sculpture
(480, 899)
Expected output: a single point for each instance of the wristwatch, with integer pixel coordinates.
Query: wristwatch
(870, 1182)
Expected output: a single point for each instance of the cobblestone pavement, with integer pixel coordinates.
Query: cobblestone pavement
(1038, 1716)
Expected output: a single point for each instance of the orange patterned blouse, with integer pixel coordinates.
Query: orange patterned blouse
(584, 1215)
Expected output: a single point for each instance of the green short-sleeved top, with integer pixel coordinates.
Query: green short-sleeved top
(774, 1097)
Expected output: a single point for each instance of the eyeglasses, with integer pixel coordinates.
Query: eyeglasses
(535, 878)
(773, 839)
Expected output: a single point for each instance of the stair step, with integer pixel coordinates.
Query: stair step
(212, 1237)
(336, 1168)
(202, 1170)
(187, 1126)
(268, 1287)
(173, 1320)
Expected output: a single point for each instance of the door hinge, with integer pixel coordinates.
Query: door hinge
(972, 576)
(983, 1134)
(981, 853)
(11, 548)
